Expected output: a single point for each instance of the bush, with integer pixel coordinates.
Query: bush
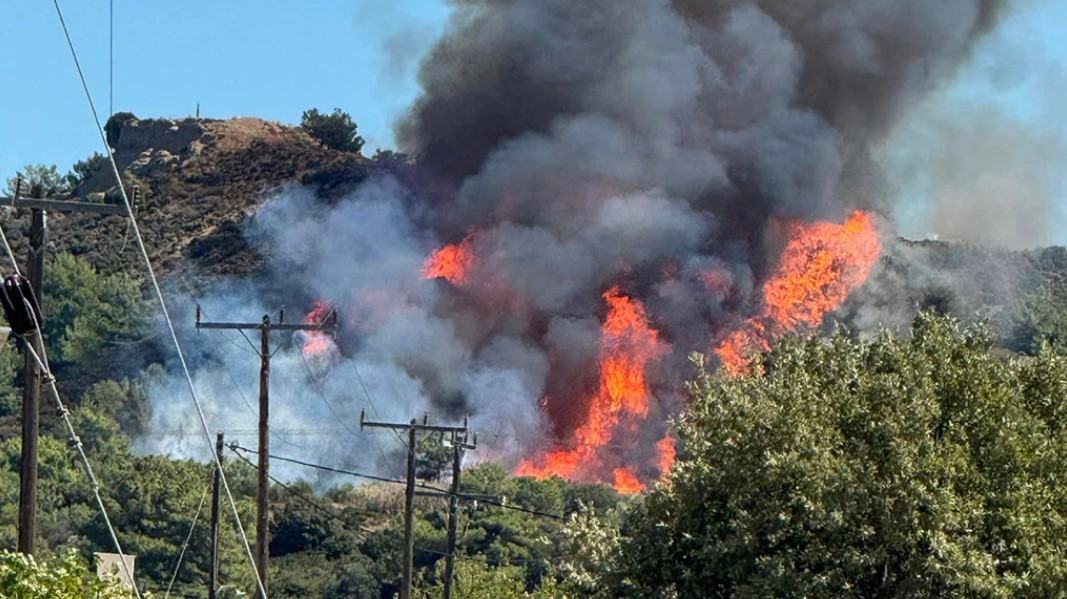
(64, 577)
(38, 179)
(336, 130)
(83, 169)
(922, 467)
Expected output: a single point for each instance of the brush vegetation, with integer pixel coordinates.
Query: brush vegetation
(923, 465)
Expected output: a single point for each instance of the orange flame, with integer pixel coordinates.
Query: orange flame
(821, 265)
(451, 262)
(627, 344)
(665, 455)
(316, 343)
(626, 482)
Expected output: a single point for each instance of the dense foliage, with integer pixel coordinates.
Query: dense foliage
(336, 130)
(83, 169)
(63, 577)
(922, 467)
(38, 180)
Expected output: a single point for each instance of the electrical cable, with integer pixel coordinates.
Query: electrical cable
(235, 447)
(185, 545)
(7, 248)
(162, 302)
(296, 493)
(478, 498)
(46, 375)
(370, 403)
(317, 385)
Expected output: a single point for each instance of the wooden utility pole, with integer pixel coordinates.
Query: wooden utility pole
(31, 389)
(409, 497)
(458, 445)
(262, 552)
(213, 576)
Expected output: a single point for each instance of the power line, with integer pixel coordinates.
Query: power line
(478, 498)
(47, 376)
(317, 385)
(235, 447)
(370, 403)
(159, 293)
(185, 545)
(296, 493)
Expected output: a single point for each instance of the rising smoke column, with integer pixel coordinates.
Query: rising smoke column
(658, 147)
(604, 187)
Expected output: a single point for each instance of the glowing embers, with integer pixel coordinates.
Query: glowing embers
(821, 265)
(451, 262)
(627, 345)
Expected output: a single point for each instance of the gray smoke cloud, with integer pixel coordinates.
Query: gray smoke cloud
(579, 145)
(982, 160)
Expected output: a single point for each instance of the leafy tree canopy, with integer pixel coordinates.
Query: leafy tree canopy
(38, 179)
(91, 318)
(65, 577)
(83, 169)
(923, 467)
(336, 130)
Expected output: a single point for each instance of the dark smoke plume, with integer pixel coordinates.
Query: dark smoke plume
(642, 143)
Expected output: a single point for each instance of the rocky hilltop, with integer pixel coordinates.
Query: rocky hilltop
(198, 179)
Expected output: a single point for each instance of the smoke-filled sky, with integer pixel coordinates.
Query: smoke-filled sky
(274, 59)
(622, 180)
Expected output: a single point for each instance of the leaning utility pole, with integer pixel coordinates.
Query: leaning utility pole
(31, 389)
(409, 496)
(262, 553)
(213, 576)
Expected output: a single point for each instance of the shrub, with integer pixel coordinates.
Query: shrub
(335, 130)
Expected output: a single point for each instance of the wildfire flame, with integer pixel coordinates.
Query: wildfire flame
(821, 265)
(626, 482)
(665, 455)
(450, 263)
(316, 344)
(627, 344)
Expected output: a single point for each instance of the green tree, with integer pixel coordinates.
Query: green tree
(1042, 318)
(126, 401)
(91, 319)
(83, 169)
(64, 577)
(923, 467)
(432, 457)
(38, 179)
(336, 130)
(475, 579)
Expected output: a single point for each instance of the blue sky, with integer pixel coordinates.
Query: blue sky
(266, 58)
(274, 59)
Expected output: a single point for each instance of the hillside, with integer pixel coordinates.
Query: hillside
(199, 179)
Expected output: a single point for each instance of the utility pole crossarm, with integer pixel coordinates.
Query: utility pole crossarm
(459, 443)
(414, 424)
(62, 205)
(31, 407)
(328, 325)
(265, 327)
(318, 326)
